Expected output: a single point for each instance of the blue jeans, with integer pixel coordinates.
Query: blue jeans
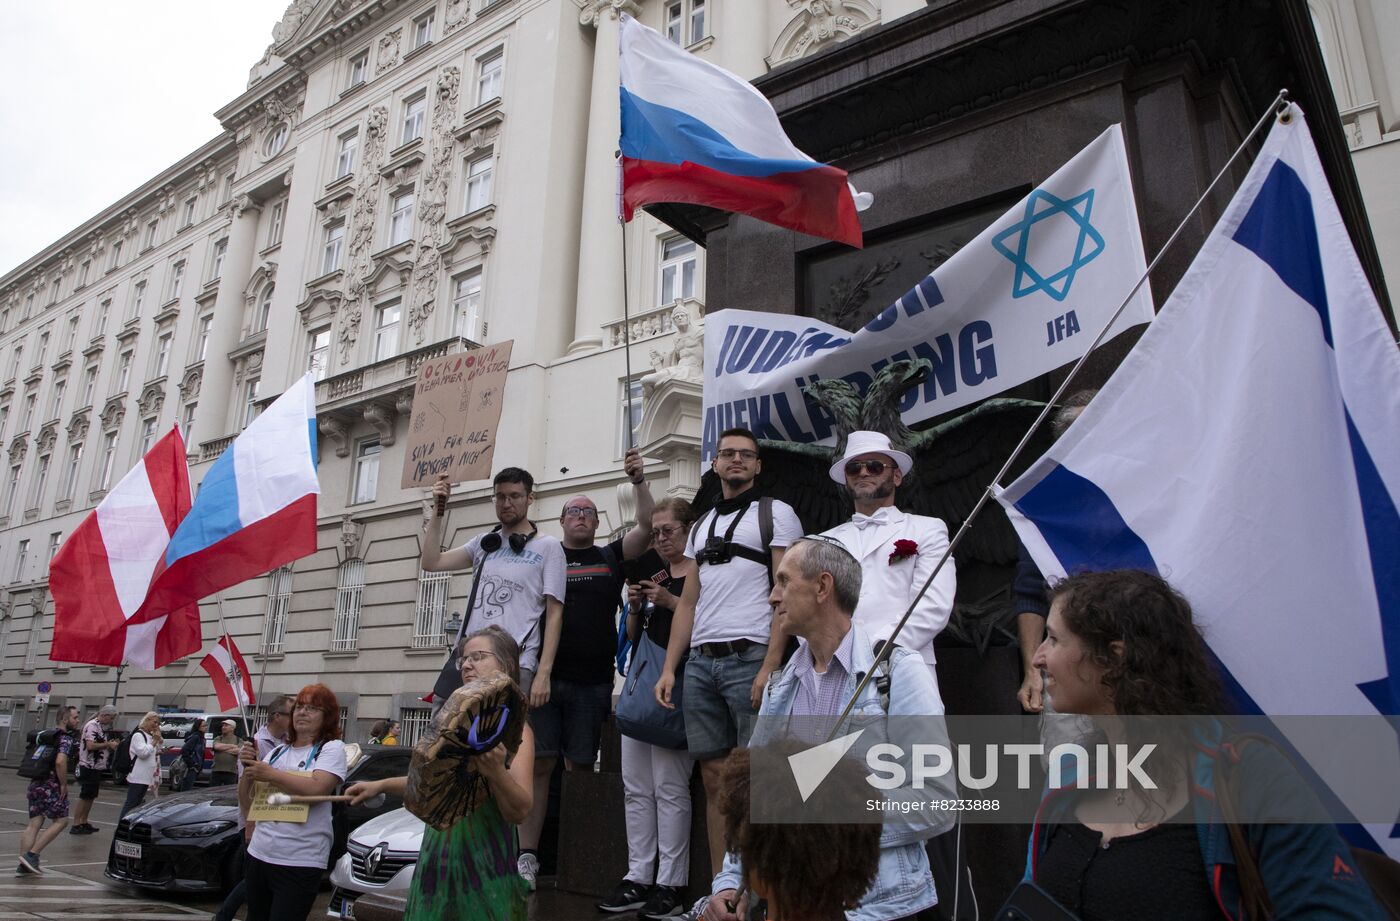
(718, 714)
(135, 793)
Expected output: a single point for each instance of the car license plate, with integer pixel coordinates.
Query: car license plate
(126, 849)
(347, 910)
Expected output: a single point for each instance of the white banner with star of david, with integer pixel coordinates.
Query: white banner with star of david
(1025, 297)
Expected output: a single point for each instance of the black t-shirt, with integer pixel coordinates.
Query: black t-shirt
(659, 620)
(588, 640)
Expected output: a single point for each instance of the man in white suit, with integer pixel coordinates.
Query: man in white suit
(897, 551)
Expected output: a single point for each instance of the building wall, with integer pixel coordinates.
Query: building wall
(266, 191)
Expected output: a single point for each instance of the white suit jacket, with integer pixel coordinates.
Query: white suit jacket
(887, 588)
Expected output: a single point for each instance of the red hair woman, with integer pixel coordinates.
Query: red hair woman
(286, 859)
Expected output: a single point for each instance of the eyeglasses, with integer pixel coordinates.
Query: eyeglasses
(578, 511)
(308, 708)
(876, 467)
(474, 658)
(668, 531)
(743, 454)
(507, 497)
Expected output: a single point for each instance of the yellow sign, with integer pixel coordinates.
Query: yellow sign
(262, 811)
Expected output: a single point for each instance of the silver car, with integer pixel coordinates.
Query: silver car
(379, 857)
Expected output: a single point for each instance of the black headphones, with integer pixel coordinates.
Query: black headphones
(492, 542)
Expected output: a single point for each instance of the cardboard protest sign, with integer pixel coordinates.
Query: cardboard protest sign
(456, 409)
(260, 810)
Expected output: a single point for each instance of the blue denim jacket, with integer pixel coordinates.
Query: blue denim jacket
(903, 884)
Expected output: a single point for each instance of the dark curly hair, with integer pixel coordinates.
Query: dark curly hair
(806, 870)
(1164, 669)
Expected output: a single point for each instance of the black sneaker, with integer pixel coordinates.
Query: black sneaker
(628, 896)
(664, 902)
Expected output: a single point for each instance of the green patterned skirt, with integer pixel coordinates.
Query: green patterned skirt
(468, 872)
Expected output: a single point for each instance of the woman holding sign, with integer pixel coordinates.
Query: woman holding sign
(291, 846)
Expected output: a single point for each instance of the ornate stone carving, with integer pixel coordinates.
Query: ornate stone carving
(686, 360)
(334, 428)
(351, 532)
(360, 261)
(382, 416)
(18, 448)
(403, 403)
(47, 437)
(240, 204)
(152, 400)
(594, 10)
(247, 365)
(849, 294)
(820, 23)
(191, 382)
(78, 425)
(456, 15)
(437, 181)
(291, 20)
(387, 54)
(112, 414)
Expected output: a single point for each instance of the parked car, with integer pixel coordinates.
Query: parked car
(175, 727)
(189, 842)
(379, 857)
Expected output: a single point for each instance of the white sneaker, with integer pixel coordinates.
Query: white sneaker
(697, 911)
(528, 866)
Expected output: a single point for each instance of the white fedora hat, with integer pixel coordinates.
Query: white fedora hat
(869, 443)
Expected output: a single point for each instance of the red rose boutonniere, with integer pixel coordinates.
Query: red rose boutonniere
(903, 549)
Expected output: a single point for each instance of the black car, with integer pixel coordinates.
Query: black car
(189, 842)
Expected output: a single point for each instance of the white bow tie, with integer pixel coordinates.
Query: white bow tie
(864, 521)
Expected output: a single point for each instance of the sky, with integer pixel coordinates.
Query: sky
(100, 97)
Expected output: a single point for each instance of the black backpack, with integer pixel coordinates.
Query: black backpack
(40, 753)
(121, 759)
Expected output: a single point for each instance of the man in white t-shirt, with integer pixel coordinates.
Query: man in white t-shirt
(522, 576)
(724, 620)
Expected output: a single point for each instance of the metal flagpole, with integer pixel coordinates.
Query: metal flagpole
(626, 316)
(1277, 109)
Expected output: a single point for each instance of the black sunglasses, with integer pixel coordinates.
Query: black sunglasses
(876, 467)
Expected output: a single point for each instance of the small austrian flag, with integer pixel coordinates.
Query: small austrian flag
(226, 667)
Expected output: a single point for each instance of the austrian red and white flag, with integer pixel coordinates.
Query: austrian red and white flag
(101, 575)
(226, 667)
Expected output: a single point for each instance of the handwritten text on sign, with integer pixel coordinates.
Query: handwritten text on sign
(456, 409)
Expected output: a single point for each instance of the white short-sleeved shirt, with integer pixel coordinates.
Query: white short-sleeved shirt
(513, 590)
(295, 844)
(733, 603)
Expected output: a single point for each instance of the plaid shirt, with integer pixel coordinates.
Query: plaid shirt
(819, 693)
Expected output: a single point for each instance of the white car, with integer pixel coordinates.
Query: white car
(379, 857)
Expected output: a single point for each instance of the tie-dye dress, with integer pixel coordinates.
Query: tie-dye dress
(468, 871)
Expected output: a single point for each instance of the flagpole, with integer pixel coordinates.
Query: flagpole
(626, 316)
(223, 632)
(1278, 109)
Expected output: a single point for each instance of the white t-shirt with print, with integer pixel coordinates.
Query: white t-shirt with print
(514, 587)
(294, 844)
(733, 603)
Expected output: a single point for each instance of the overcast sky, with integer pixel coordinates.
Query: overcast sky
(96, 98)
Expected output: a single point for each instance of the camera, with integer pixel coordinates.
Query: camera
(715, 552)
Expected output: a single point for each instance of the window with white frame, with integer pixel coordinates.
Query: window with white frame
(56, 397)
(264, 310)
(318, 352)
(148, 435)
(250, 401)
(55, 539)
(116, 255)
(413, 722)
(345, 154)
(71, 337)
(684, 21)
(17, 358)
(274, 223)
(386, 331)
(216, 260)
(415, 110)
(11, 489)
(104, 310)
(366, 471)
(201, 336)
(138, 298)
(432, 603)
(43, 351)
(678, 270)
(279, 602)
(151, 228)
(26, 418)
(55, 290)
(187, 419)
(83, 271)
(70, 471)
(123, 371)
(190, 205)
(276, 140)
(41, 481)
(177, 279)
(349, 589)
(629, 414)
(89, 385)
(466, 307)
(359, 69)
(20, 559)
(162, 366)
(36, 632)
(4, 639)
(335, 242)
(490, 72)
(4, 417)
(422, 30)
(479, 173)
(401, 218)
(28, 306)
(103, 478)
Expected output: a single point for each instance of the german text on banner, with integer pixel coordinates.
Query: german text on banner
(697, 134)
(1024, 297)
(102, 574)
(1248, 450)
(256, 508)
(229, 672)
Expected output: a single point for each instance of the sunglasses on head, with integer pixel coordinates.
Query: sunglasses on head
(876, 467)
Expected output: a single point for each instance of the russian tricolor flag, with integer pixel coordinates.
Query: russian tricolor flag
(256, 508)
(697, 134)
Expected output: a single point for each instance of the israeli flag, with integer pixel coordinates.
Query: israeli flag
(1248, 450)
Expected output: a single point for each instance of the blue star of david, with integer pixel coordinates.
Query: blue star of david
(1089, 244)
